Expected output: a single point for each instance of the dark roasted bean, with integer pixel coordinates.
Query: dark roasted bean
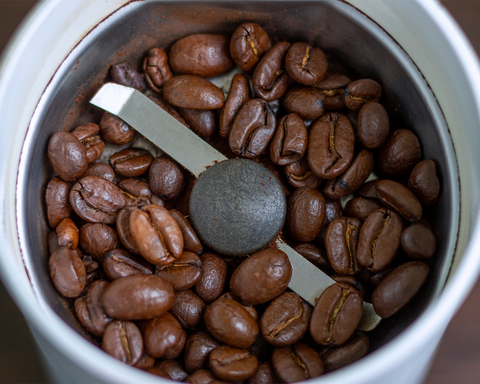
(418, 241)
(137, 193)
(163, 337)
(120, 263)
(174, 369)
(315, 255)
(123, 340)
(157, 372)
(306, 102)
(131, 162)
(183, 273)
(67, 271)
(188, 309)
(360, 92)
(333, 86)
(156, 68)
(264, 375)
(88, 135)
(289, 143)
(361, 208)
(58, 205)
(353, 350)
(123, 229)
(165, 178)
(248, 44)
(202, 122)
(296, 363)
(102, 170)
(197, 349)
(424, 183)
(238, 95)
(300, 175)
(400, 198)
(250, 308)
(232, 364)
(373, 125)
(67, 156)
(115, 130)
(98, 239)
(305, 64)
(90, 264)
(125, 75)
(202, 376)
(368, 190)
(145, 362)
(351, 282)
(333, 209)
(190, 238)
(214, 275)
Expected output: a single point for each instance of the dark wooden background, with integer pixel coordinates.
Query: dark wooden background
(457, 359)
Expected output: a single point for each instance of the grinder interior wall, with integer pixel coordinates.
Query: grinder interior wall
(334, 26)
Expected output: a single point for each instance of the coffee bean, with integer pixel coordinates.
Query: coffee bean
(400, 198)
(157, 372)
(315, 255)
(67, 271)
(165, 178)
(121, 263)
(67, 233)
(123, 340)
(300, 175)
(163, 337)
(296, 363)
(125, 75)
(373, 125)
(115, 130)
(183, 273)
(361, 208)
(67, 156)
(353, 350)
(368, 190)
(306, 102)
(306, 64)
(103, 170)
(289, 143)
(202, 376)
(360, 92)
(424, 183)
(156, 68)
(188, 91)
(250, 309)
(264, 375)
(351, 282)
(333, 86)
(123, 230)
(190, 238)
(232, 364)
(137, 193)
(90, 264)
(88, 135)
(145, 362)
(214, 275)
(418, 241)
(98, 239)
(238, 95)
(202, 122)
(188, 309)
(131, 162)
(174, 369)
(58, 205)
(197, 349)
(248, 44)
(333, 209)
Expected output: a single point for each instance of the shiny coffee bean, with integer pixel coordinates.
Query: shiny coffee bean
(169, 109)
(137, 193)
(137, 297)
(351, 282)
(201, 55)
(123, 230)
(121, 263)
(67, 271)
(261, 277)
(202, 122)
(145, 362)
(156, 68)
(202, 376)
(418, 241)
(90, 311)
(252, 129)
(238, 95)
(197, 349)
(98, 239)
(174, 369)
(58, 205)
(373, 125)
(341, 240)
(306, 102)
(305, 214)
(379, 239)
(400, 153)
(67, 233)
(188, 309)
(296, 363)
(125, 75)
(300, 175)
(306, 64)
(352, 178)
(333, 209)
(165, 178)
(361, 208)
(67, 156)
(353, 350)
(103, 170)
(336, 315)
(250, 308)
(232, 364)
(214, 275)
(190, 238)
(264, 375)
(368, 190)
(163, 337)
(376, 278)
(289, 143)
(88, 135)
(183, 273)
(285, 320)
(360, 92)
(230, 323)
(115, 130)
(248, 44)
(131, 162)
(398, 288)
(157, 372)
(123, 340)
(400, 198)
(333, 86)
(330, 145)
(317, 256)
(424, 183)
(188, 91)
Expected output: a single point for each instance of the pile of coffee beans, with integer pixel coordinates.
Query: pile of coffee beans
(156, 298)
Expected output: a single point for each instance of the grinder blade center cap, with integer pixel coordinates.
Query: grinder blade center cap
(237, 207)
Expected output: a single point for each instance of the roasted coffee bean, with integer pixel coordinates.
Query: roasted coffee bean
(353, 350)
(232, 364)
(201, 55)
(174, 369)
(305, 214)
(373, 125)
(183, 273)
(289, 143)
(361, 208)
(121, 263)
(88, 135)
(202, 376)
(123, 230)
(156, 68)
(202, 122)
(169, 109)
(137, 193)
(360, 92)
(398, 288)
(400, 198)
(230, 323)
(261, 349)
(67, 156)
(197, 349)
(351, 282)
(300, 175)
(330, 145)
(399, 154)
(67, 233)
(90, 264)
(264, 375)
(53, 243)
(306, 64)
(306, 102)
(379, 239)
(157, 372)
(341, 240)
(190, 238)
(193, 92)
(115, 130)
(156, 233)
(188, 309)
(56, 197)
(270, 80)
(125, 75)
(333, 86)
(145, 362)
(103, 170)
(67, 271)
(163, 337)
(418, 241)
(423, 182)
(238, 95)
(137, 297)
(333, 209)
(89, 310)
(352, 178)
(285, 320)
(376, 278)
(252, 129)
(336, 315)
(368, 190)
(248, 44)
(214, 275)
(261, 277)
(165, 178)
(315, 255)
(296, 363)
(123, 340)
(98, 239)
(131, 162)
(250, 308)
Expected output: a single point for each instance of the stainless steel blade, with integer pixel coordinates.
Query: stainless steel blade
(196, 155)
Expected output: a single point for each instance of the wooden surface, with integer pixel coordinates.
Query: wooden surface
(457, 359)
